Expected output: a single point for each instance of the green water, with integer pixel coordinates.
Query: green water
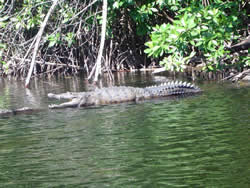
(200, 141)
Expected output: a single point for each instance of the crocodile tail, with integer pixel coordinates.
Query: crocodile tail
(172, 88)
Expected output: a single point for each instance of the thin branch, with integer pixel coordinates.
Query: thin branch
(48, 63)
(85, 8)
(103, 33)
(38, 38)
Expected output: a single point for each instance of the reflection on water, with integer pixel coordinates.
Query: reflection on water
(200, 141)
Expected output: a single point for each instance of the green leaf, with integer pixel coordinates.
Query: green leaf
(210, 12)
(199, 43)
(215, 42)
(210, 68)
(191, 23)
(154, 10)
(183, 22)
(155, 48)
(173, 36)
(116, 5)
(204, 28)
(52, 43)
(180, 29)
(148, 50)
(149, 44)
(192, 42)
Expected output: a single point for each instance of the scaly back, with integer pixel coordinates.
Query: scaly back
(171, 88)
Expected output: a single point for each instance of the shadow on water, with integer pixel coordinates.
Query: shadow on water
(199, 141)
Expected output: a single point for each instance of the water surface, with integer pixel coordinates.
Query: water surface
(198, 141)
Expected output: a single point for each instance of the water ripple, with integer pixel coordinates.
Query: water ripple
(201, 141)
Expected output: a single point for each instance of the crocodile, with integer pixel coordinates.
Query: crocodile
(120, 94)
(112, 95)
(24, 110)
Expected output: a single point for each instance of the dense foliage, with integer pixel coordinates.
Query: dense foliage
(200, 31)
(174, 32)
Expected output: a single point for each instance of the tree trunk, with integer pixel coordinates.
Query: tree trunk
(103, 33)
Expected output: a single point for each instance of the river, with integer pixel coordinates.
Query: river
(198, 141)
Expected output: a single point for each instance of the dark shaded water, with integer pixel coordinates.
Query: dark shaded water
(200, 141)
